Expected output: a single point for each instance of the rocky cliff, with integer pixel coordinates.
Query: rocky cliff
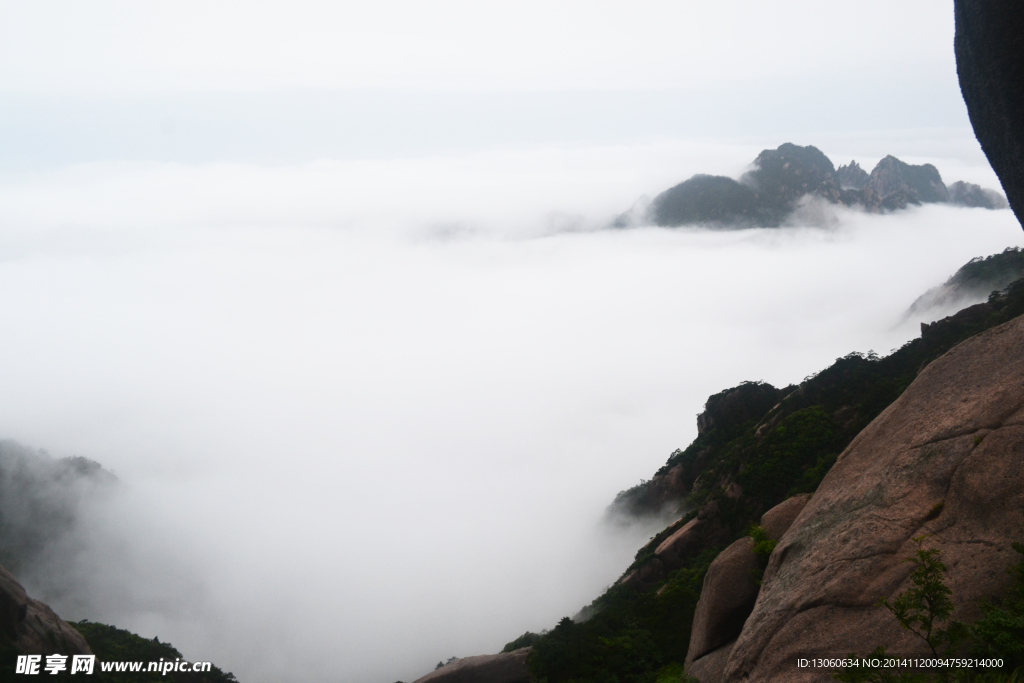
(30, 627)
(946, 461)
(781, 179)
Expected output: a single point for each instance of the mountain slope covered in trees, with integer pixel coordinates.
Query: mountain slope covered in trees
(757, 445)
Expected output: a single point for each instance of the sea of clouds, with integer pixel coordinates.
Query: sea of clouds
(367, 415)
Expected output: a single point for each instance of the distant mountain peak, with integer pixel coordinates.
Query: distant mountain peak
(780, 178)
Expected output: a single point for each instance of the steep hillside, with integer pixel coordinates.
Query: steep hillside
(757, 446)
(938, 472)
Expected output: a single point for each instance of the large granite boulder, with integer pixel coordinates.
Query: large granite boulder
(945, 460)
(507, 667)
(726, 599)
(728, 595)
(989, 48)
(777, 521)
(31, 626)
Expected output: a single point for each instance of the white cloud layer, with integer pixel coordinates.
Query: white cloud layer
(367, 415)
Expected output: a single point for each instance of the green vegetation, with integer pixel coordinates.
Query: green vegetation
(111, 644)
(921, 609)
(983, 275)
(525, 640)
(927, 606)
(1000, 630)
(633, 637)
(757, 446)
(763, 548)
(789, 448)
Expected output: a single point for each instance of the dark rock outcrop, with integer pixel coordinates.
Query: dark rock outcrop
(508, 667)
(725, 411)
(943, 460)
(989, 47)
(31, 627)
(733, 407)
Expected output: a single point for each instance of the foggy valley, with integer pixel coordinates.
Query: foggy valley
(326, 344)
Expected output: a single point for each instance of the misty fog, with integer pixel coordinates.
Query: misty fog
(367, 415)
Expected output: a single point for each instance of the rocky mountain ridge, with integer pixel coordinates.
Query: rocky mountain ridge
(781, 179)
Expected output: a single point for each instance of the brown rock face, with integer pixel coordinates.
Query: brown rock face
(726, 599)
(778, 520)
(946, 459)
(31, 626)
(508, 667)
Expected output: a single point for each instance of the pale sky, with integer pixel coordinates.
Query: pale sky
(299, 81)
(131, 47)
